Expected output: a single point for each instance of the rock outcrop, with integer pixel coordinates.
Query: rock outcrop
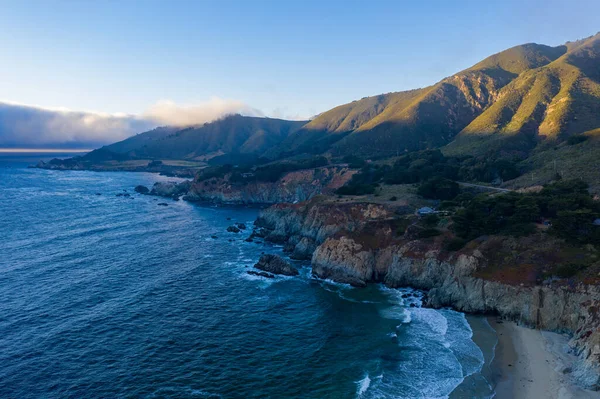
(260, 274)
(357, 244)
(141, 189)
(233, 229)
(308, 224)
(170, 189)
(453, 282)
(276, 265)
(292, 187)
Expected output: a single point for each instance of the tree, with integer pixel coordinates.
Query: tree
(439, 188)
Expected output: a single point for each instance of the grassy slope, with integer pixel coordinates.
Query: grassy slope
(570, 161)
(423, 118)
(231, 134)
(553, 101)
(139, 140)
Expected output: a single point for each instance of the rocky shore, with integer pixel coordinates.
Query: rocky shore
(292, 187)
(357, 244)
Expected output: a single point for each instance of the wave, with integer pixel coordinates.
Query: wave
(363, 385)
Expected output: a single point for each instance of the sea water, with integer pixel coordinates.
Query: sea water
(106, 296)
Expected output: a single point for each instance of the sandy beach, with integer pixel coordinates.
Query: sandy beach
(533, 364)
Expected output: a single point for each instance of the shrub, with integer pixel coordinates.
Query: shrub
(401, 226)
(569, 270)
(448, 205)
(576, 139)
(431, 220)
(439, 188)
(426, 233)
(356, 189)
(353, 161)
(455, 244)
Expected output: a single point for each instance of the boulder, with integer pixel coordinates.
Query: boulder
(233, 229)
(276, 265)
(141, 189)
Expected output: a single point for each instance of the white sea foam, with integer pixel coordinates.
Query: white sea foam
(363, 385)
(396, 312)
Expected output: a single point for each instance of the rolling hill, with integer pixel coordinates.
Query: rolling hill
(550, 102)
(524, 102)
(424, 118)
(233, 134)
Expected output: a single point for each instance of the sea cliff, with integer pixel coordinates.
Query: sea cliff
(358, 243)
(292, 187)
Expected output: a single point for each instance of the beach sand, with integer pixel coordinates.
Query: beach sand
(530, 364)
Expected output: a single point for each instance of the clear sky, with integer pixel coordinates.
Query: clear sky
(284, 58)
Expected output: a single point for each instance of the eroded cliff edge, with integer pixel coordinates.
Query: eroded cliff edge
(295, 186)
(359, 243)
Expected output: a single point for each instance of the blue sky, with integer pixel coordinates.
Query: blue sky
(283, 58)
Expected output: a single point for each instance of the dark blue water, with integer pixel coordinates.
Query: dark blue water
(108, 297)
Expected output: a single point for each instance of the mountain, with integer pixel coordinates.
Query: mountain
(521, 102)
(553, 101)
(524, 94)
(232, 134)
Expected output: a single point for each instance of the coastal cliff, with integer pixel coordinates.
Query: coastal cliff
(359, 243)
(292, 187)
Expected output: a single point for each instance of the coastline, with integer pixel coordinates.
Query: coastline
(531, 364)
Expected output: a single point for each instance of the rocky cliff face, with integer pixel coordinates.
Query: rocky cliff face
(356, 244)
(302, 227)
(293, 187)
(451, 282)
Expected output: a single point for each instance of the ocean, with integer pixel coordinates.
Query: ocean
(106, 296)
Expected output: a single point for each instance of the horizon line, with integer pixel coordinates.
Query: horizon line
(48, 150)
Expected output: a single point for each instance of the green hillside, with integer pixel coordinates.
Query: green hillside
(232, 134)
(139, 140)
(424, 118)
(551, 102)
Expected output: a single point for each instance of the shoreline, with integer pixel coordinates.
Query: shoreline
(532, 364)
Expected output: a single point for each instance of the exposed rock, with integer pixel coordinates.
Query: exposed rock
(233, 229)
(241, 226)
(259, 232)
(141, 189)
(304, 249)
(276, 265)
(451, 282)
(261, 274)
(344, 261)
(170, 189)
(162, 204)
(292, 187)
(354, 244)
(308, 224)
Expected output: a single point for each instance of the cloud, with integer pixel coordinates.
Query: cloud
(283, 113)
(39, 127)
(167, 112)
